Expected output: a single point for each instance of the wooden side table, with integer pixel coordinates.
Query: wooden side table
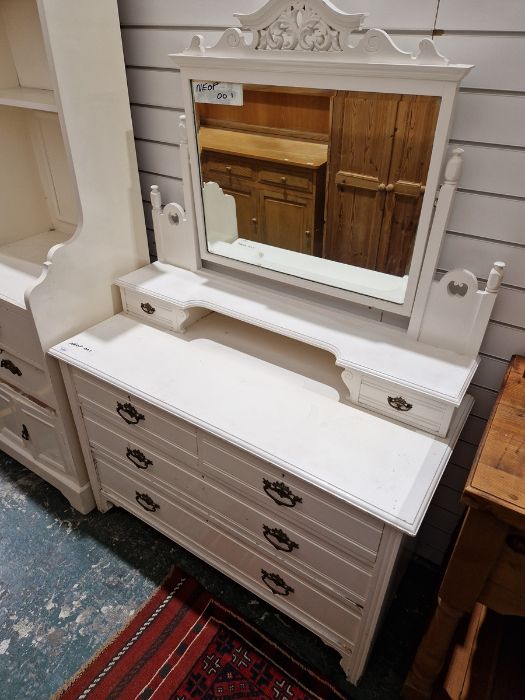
(488, 561)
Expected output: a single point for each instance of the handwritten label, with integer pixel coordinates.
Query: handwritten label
(211, 92)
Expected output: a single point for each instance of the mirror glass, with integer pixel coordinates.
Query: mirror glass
(324, 185)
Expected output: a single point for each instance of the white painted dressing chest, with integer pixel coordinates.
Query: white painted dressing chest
(287, 417)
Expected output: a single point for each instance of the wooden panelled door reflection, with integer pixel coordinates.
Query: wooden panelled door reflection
(378, 161)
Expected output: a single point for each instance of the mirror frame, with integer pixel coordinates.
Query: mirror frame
(320, 55)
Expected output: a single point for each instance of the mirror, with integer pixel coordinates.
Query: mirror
(325, 185)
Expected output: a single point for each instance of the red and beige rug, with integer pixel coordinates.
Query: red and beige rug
(184, 645)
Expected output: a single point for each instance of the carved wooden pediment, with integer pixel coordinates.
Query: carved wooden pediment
(311, 25)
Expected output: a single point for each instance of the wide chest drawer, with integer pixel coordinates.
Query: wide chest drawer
(296, 548)
(30, 428)
(138, 418)
(291, 500)
(18, 334)
(26, 377)
(264, 576)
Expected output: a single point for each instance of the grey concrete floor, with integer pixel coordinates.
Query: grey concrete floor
(69, 582)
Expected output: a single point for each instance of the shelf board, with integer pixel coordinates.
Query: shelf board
(21, 264)
(28, 98)
(370, 347)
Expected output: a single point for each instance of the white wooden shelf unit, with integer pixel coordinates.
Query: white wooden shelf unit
(71, 216)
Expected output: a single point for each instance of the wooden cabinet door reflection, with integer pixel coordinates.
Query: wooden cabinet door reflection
(285, 219)
(379, 155)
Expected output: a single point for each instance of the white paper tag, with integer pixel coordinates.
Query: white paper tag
(214, 93)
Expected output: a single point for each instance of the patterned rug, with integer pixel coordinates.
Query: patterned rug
(183, 645)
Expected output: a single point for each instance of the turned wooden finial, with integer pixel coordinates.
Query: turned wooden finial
(156, 199)
(454, 165)
(495, 277)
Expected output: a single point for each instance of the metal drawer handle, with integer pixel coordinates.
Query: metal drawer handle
(7, 364)
(283, 542)
(129, 413)
(138, 458)
(147, 308)
(516, 543)
(399, 403)
(282, 492)
(25, 432)
(146, 502)
(281, 588)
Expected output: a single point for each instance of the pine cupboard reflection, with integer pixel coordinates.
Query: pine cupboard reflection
(310, 182)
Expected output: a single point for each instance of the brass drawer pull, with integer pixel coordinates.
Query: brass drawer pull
(279, 539)
(129, 413)
(147, 308)
(146, 502)
(281, 588)
(283, 494)
(399, 403)
(25, 432)
(7, 364)
(138, 458)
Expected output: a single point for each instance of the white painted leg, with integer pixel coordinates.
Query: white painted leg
(348, 668)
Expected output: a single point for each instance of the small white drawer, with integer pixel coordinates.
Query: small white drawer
(409, 407)
(288, 499)
(136, 417)
(157, 313)
(26, 377)
(30, 428)
(18, 334)
(147, 308)
(191, 528)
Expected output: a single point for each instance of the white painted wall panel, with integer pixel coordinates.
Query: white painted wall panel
(489, 216)
(151, 47)
(495, 170)
(154, 87)
(489, 118)
(498, 60)
(490, 373)
(410, 14)
(503, 341)
(155, 124)
(159, 158)
(478, 256)
(487, 15)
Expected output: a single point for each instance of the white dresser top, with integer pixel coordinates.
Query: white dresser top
(376, 349)
(278, 399)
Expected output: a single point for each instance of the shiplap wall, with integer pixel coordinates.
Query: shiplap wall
(487, 222)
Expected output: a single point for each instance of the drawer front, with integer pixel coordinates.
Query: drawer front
(135, 417)
(284, 589)
(230, 168)
(284, 178)
(405, 406)
(138, 455)
(30, 428)
(286, 499)
(18, 334)
(147, 309)
(295, 549)
(292, 547)
(26, 377)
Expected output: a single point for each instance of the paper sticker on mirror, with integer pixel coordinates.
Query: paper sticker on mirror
(212, 92)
